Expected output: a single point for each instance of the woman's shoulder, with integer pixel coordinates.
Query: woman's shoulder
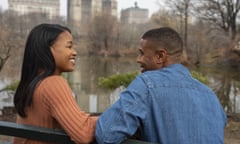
(53, 84)
(52, 81)
(53, 78)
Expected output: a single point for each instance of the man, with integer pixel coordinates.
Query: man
(164, 103)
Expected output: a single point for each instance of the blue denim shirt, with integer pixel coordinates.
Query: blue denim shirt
(168, 106)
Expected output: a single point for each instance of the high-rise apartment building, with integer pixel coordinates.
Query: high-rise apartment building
(134, 15)
(23, 7)
(81, 12)
(109, 7)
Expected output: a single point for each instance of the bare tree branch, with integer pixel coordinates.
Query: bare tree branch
(222, 13)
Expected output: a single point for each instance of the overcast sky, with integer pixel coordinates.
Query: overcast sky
(151, 5)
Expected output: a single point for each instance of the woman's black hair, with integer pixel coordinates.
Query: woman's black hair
(38, 63)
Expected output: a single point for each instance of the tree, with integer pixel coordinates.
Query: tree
(221, 13)
(182, 9)
(165, 18)
(13, 32)
(103, 33)
(5, 47)
(130, 34)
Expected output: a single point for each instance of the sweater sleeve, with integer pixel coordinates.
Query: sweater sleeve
(79, 125)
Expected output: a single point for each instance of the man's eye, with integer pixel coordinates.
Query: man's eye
(69, 47)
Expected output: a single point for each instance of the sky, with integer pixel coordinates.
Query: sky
(151, 5)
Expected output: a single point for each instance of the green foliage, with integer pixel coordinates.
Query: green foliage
(12, 86)
(114, 81)
(199, 77)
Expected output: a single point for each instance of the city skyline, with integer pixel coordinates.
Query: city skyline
(151, 5)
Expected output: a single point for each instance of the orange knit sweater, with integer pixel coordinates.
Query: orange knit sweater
(54, 106)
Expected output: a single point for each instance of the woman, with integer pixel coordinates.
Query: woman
(43, 97)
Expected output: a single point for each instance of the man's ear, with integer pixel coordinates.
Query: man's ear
(161, 56)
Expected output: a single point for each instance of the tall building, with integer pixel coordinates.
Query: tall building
(110, 7)
(134, 15)
(85, 10)
(74, 8)
(96, 7)
(81, 12)
(22, 7)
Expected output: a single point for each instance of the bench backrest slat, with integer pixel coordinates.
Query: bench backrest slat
(43, 134)
(35, 133)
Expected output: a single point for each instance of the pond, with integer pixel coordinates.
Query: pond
(91, 98)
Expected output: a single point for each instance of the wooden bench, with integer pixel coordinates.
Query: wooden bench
(43, 134)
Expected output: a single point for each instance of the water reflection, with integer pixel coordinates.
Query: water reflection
(225, 82)
(6, 99)
(91, 98)
(85, 78)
